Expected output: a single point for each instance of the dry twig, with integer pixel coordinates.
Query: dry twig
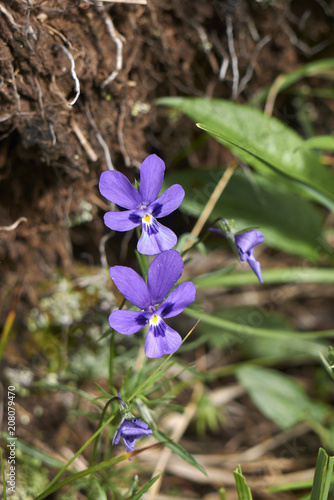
(83, 141)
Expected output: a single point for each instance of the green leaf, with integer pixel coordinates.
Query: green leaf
(225, 277)
(322, 476)
(262, 141)
(323, 68)
(178, 450)
(320, 142)
(243, 490)
(287, 221)
(279, 397)
(145, 488)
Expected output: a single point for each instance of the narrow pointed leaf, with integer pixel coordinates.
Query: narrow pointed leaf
(243, 490)
(178, 450)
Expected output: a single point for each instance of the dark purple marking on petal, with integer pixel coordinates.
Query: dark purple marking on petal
(159, 329)
(121, 221)
(178, 300)
(127, 322)
(158, 345)
(156, 238)
(164, 272)
(155, 209)
(169, 201)
(135, 218)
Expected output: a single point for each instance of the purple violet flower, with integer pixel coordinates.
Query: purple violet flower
(130, 430)
(143, 206)
(245, 245)
(163, 274)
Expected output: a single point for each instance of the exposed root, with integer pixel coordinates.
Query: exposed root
(119, 45)
(74, 75)
(13, 226)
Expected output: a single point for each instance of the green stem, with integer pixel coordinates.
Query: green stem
(92, 459)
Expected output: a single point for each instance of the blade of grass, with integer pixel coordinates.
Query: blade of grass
(243, 490)
(248, 330)
(270, 276)
(319, 475)
(145, 488)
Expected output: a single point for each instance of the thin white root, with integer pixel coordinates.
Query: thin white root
(74, 75)
(13, 226)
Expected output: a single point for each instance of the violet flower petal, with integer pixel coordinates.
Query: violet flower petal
(130, 430)
(157, 343)
(178, 300)
(127, 322)
(135, 428)
(131, 285)
(155, 238)
(117, 188)
(247, 241)
(117, 436)
(151, 176)
(256, 267)
(169, 201)
(121, 221)
(164, 272)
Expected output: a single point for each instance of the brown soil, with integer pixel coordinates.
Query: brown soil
(51, 153)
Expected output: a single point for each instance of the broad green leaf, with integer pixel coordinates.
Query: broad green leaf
(262, 141)
(320, 142)
(279, 397)
(145, 488)
(178, 450)
(287, 221)
(243, 490)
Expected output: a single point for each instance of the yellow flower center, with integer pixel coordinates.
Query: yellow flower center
(155, 319)
(147, 218)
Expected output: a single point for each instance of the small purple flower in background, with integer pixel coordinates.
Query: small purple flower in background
(143, 206)
(245, 243)
(130, 430)
(164, 272)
